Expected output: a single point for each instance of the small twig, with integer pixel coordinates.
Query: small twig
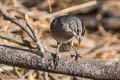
(73, 8)
(36, 39)
(50, 8)
(6, 69)
(15, 21)
(45, 74)
(52, 77)
(16, 39)
(17, 72)
(26, 28)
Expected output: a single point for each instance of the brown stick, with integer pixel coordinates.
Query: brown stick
(27, 28)
(92, 4)
(89, 68)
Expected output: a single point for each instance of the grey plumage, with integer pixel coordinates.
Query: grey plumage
(65, 47)
(64, 29)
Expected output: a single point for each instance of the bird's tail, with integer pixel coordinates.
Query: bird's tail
(65, 47)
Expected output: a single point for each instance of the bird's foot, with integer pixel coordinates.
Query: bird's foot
(76, 56)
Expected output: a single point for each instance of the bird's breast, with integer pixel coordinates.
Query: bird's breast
(62, 36)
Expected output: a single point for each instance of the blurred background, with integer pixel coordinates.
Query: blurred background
(101, 40)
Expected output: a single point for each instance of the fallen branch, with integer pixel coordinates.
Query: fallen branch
(88, 68)
(79, 8)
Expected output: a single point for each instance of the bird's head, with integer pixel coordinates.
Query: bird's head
(78, 37)
(79, 33)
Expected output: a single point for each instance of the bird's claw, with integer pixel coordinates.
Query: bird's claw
(76, 56)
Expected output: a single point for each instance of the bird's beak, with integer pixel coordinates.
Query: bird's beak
(78, 39)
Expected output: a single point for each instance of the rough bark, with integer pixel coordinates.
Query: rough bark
(89, 68)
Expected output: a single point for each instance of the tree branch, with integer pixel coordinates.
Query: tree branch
(89, 68)
(14, 20)
(27, 28)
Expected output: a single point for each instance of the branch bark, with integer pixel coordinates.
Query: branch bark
(88, 68)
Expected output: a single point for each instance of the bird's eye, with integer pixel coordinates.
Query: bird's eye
(77, 31)
(55, 21)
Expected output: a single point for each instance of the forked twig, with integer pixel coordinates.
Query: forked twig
(26, 28)
(36, 39)
(37, 42)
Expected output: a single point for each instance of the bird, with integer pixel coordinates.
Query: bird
(64, 29)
